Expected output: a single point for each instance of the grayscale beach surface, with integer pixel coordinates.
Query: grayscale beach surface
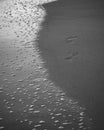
(43, 58)
(71, 42)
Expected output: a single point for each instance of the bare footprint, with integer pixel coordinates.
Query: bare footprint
(71, 39)
(72, 55)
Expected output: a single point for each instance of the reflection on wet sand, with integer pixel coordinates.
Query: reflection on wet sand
(29, 100)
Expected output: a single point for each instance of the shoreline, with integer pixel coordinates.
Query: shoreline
(30, 100)
(76, 73)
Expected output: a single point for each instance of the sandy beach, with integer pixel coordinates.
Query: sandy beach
(29, 98)
(71, 42)
(51, 65)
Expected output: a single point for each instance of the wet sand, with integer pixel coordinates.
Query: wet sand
(72, 43)
(29, 100)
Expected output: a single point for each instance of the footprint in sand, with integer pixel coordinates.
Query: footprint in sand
(29, 100)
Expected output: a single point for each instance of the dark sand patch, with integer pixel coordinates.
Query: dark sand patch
(77, 66)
